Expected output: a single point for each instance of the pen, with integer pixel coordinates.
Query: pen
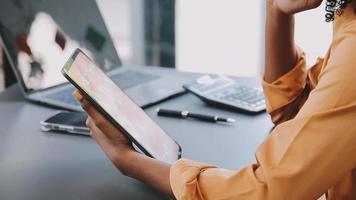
(186, 114)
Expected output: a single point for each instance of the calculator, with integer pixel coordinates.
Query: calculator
(222, 91)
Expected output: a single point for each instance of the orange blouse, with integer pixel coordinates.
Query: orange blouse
(312, 151)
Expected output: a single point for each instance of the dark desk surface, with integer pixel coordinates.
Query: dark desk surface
(41, 166)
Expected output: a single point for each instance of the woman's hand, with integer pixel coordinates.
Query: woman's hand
(294, 6)
(109, 138)
(120, 151)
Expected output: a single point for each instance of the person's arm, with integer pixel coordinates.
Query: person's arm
(285, 78)
(120, 151)
(281, 54)
(302, 158)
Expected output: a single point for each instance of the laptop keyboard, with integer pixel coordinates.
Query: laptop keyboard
(124, 80)
(131, 78)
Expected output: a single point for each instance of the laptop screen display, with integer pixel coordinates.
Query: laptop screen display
(40, 36)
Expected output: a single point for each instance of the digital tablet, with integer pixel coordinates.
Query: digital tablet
(119, 109)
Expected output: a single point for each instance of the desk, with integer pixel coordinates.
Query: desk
(35, 165)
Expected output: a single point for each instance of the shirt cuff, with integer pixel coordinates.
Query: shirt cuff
(183, 178)
(286, 88)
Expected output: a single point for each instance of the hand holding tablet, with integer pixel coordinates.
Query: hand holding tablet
(117, 108)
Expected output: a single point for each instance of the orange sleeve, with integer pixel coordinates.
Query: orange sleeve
(301, 159)
(286, 88)
(286, 95)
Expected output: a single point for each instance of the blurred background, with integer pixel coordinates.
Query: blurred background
(207, 36)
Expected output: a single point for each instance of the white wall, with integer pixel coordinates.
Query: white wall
(226, 36)
(313, 34)
(219, 36)
(213, 36)
(124, 19)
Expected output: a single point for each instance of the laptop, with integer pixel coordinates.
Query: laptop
(39, 36)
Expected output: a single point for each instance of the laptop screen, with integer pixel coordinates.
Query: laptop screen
(40, 35)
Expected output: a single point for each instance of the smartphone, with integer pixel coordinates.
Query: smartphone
(119, 109)
(68, 122)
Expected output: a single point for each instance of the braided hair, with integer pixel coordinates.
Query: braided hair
(335, 6)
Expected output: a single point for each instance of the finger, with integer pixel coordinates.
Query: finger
(87, 122)
(98, 135)
(83, 102)
(100, 121)
(111, 134)
(91, 110)
(115, 136)
(109, 147)
(77, 95)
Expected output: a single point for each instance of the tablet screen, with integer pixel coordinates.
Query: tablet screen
(115, 104)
